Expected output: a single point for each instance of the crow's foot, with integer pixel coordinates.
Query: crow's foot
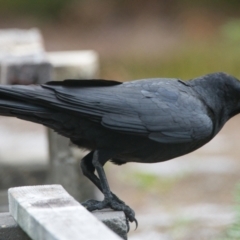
(114, 203)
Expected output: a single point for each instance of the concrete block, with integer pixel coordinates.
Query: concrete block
(10, 230)
(16, 43)
(116, 221)
(27, 73)
(74, 64)
(50, 213)
(23, 60)
(22, 57)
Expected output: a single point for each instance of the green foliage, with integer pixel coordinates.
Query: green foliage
(151, 182)
(53, 8)
(180, 227)
(186, 63)
(231, 30)
(213, 3)
(39, 8)
(233, 233)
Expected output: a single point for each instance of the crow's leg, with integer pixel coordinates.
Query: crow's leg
(110, 201)
(88, 171)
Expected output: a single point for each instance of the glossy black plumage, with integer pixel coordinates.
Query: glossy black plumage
(147, 121)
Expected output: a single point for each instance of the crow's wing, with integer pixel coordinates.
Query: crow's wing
(165, 110)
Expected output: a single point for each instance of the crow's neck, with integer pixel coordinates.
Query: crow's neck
(221, 97)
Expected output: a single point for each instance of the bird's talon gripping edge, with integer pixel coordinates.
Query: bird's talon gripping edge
(136, 223)
(92, 205)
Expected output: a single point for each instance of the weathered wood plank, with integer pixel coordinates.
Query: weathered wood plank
(50, 213)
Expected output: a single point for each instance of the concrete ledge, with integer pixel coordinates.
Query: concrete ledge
(10, 230)
(116, 221)
(50, 213)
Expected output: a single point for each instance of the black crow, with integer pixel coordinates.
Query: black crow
(145, 121)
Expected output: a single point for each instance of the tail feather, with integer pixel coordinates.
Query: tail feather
(14, 107)
(34, 103)
(20, 101)
(31, 93)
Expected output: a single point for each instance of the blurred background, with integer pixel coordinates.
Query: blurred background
(192, 197)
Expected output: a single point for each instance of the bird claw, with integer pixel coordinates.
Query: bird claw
(136, 224)
(89, 203)
(114, 204)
